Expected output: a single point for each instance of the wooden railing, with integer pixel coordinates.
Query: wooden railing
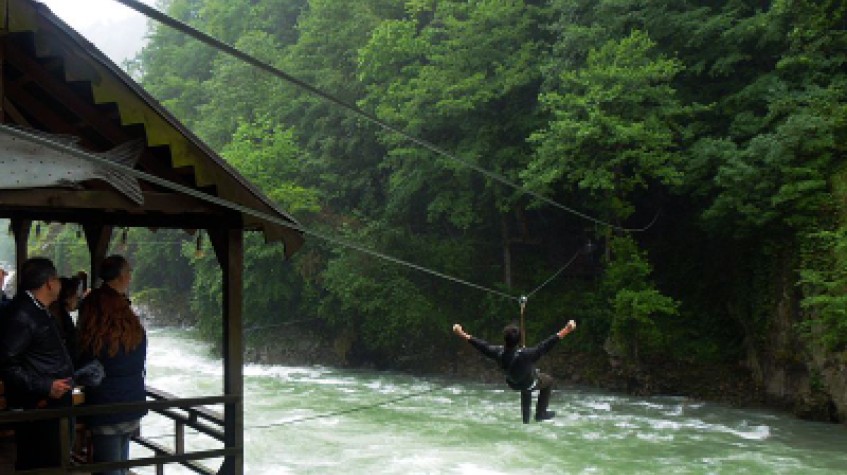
(200, 419)
(184, 412)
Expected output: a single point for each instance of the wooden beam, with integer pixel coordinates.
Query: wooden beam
(63, 93)
(229, 248)
(68, 199)
(163, 168)
(160, 210)
(13, 113)
(152, 221)
(88, 113)
(36, 108)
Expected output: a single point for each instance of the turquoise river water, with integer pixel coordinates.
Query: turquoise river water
(456, 427)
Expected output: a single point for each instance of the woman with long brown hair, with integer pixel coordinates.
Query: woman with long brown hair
(110, 331)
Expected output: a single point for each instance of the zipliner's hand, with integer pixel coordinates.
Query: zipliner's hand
(457, 329)
(571, 326)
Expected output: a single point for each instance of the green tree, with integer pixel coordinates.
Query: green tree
(464, 76)
(268, 155)
(726, 115)
(823, 279)
(343, 153)
(616, 126)
(162, 274)
(634, 301)
(173, 66)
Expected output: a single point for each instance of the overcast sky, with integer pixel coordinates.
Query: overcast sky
(114, 28)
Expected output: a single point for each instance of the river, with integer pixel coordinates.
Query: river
(456, 427)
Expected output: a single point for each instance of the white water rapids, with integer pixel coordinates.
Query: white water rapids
(466, 428)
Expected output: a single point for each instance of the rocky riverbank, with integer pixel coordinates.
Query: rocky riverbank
(789, 384)
(726, 385)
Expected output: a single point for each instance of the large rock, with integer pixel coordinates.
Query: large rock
(793, 375)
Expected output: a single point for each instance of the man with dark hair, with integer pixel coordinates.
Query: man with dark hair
(519, 366)
(34, 364)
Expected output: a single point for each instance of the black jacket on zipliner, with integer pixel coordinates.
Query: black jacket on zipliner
(32, 353)
(516, 363)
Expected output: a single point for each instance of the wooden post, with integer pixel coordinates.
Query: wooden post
(20, 229)
(4, 33)
(2, 76)
(97, 236)
(229, 248)
(65, 440)
(179, 438)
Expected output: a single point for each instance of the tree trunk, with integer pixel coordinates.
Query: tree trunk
(507, 252)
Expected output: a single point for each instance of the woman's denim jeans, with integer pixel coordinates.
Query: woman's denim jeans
(111, 448)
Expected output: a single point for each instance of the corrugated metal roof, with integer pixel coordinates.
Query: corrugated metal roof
(84, 64)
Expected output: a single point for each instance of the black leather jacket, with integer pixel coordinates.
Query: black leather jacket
(517, 364)
(32, 354)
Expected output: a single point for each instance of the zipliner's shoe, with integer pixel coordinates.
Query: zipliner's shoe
(546, 416)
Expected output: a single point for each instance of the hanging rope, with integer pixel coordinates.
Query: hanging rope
(523, 320)
(186, 29)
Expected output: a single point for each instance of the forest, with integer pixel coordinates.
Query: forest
(695, 150)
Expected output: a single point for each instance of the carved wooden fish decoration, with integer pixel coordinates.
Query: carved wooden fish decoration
(29, 164)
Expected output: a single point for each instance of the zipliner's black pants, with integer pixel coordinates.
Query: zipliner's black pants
(545, 388)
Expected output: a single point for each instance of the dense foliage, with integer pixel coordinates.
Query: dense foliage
(727, 118)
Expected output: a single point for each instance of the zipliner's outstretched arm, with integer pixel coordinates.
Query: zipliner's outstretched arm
(571, 326)
(457, 329)
(487, 349)
(493, 351)
(534, 353)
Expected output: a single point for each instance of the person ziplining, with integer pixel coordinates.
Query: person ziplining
(518, 364)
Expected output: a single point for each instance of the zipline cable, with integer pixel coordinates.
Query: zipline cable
(182, 27)
(523, 298)
(331, 414)
(350, 410)
(556, 274)
(282, 324)
(84, 155)
(88, 156)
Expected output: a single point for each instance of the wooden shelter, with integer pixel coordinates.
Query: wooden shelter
(53, 80)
